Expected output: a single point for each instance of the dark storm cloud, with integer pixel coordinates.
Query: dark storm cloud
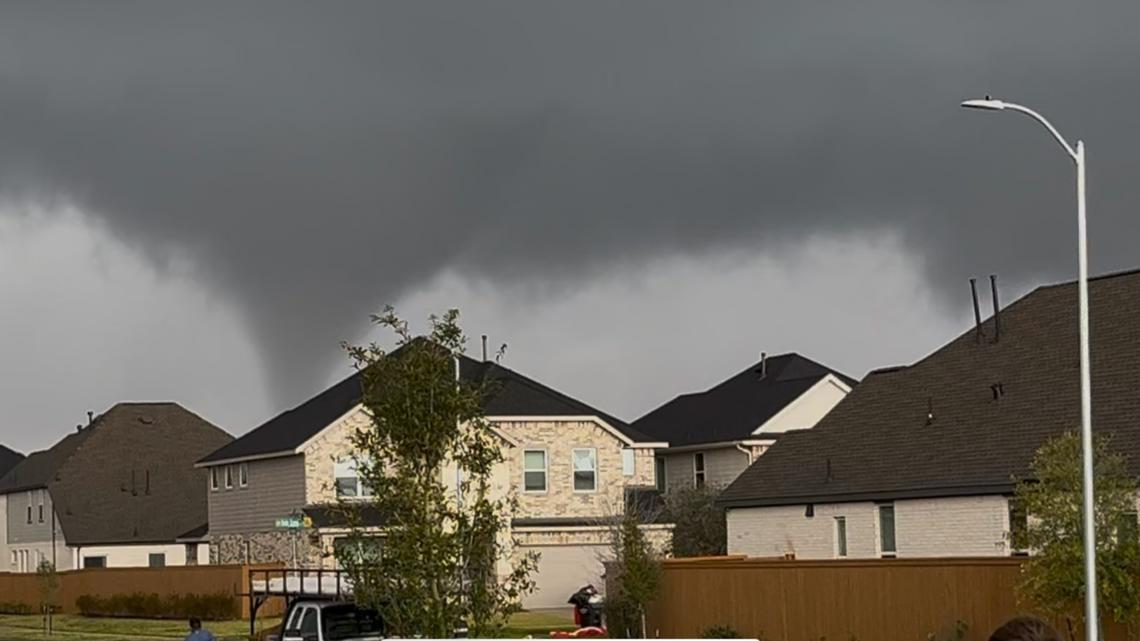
(319, 159)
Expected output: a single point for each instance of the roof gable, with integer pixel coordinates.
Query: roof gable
(735, 408)
(131, 479)
(942, 427)
(9, 458)
(513, 395)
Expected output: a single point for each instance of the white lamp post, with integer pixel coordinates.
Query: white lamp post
(1078, 156)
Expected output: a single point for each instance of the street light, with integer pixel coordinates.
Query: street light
(1078, 156)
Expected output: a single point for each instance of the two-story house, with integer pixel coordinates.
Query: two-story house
(716, 434)
(921, 460)
(569, 464)
(121, 491)
(9, 458)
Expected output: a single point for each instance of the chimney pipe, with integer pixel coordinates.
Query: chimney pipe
(997, 309)
(90, 416)
(484, 348)
(977, 311)
(763, 364)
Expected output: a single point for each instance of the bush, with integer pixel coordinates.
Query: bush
(623, 618)
(211, 607)
(719, 632)
(16, 608)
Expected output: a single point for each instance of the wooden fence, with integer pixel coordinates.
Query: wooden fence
(868, 600)
(104, 582)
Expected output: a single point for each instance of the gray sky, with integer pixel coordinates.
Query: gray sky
(199, 201)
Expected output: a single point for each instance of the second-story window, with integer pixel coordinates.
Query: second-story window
(229, 477)
(347, 480)
(214, 472)
(29, 506)
(243, 475)
(534, 471)
(41, 505)
(627, 462)
(585, 469)
(699, 469)
(659, 473)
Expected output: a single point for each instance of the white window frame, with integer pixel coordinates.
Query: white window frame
(886, 554)
(702, 479)
(215, 482)
(842, 551)
(83, 561)
(628, 462)
(594, 457)
(30, 502)
(229, 477)
(41, 506)
(360, 486)
(545, 470)
(150, 559)
(661, 481)
(15, 558)
(243, 475)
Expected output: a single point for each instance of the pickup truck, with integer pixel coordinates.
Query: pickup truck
(329, 620)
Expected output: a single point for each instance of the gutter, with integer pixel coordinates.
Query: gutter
(747, 453)
(881, 495)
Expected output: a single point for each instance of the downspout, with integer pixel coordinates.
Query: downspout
(747, 452)
(54, 565)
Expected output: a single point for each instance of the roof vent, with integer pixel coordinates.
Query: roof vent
(146, 420)
(998, 390)
(90, 416)
(997, 309)
(763, 364)
(977, 311)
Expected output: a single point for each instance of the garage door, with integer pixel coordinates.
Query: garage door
(561, 571)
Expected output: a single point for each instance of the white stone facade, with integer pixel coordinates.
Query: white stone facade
(940, 527)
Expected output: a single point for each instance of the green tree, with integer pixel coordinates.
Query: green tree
(699, 523)
(1053, 577)
(444, 541)
(638, 580)
(48, 580)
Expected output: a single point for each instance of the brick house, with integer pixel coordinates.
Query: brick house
(569, 465)
(919, 460)
(119, 492)
(715, 434)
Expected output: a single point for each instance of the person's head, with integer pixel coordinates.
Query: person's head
(1025, 629)
(195, 623)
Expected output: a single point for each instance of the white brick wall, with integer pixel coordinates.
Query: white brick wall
(966, 526)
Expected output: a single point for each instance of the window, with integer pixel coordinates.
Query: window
(41, 505)
(887, 546)
(347, 480)
(350, 622)
(30, 501)
(841, 536)
(585, 469)
(352, 551)
(309, 624)
(243, 475)
(659, 473)
(534, 471)
(699, 469)
(156, 560)
(15, 558)
(94, 562)
(214, 472)
(191, 554)
(627, 462)
(229, 477)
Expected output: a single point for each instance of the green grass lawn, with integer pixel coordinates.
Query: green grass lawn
(78, 628)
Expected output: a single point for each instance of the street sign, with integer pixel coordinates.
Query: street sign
(289, 523)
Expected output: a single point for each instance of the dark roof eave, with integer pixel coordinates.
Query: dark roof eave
(879, 495)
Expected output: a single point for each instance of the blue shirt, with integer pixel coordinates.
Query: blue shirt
(201, 634)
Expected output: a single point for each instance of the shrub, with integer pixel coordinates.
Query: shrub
(16, 608)
(719, 632)
(212, 607)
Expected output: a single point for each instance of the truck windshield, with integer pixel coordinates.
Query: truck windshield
(343, 622)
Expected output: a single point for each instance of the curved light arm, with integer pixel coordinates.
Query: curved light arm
(1045, 123)
(1001, 105)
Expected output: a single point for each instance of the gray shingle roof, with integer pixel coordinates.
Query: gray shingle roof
(129, 477)
(8, 459)
(514, 395)
(878, 444)
(733, 409)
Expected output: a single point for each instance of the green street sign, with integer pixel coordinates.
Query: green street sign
(289, 523)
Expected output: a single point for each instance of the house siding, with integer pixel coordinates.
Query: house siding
(807, 410)
(19, 530)
(276, 489)
(133, 556)
(722, 466)
(961, 526)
